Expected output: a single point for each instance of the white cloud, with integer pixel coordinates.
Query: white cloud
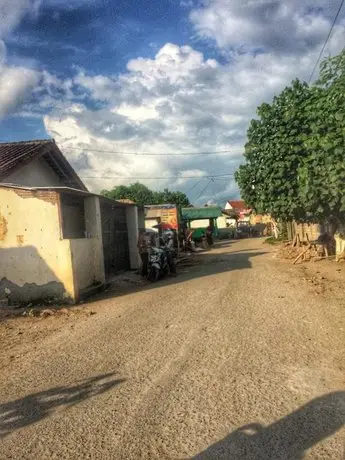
(177, 102)
(293, 26)
(180, 101)
(12, 12)
(15, 84)
(18, 82)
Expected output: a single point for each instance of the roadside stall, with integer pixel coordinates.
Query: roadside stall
(203, 223)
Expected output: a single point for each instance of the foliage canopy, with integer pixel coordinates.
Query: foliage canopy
(142, 195)
(295, 154)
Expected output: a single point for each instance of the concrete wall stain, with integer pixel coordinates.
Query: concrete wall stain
(32, 292)
(20, 240)
(3, 228)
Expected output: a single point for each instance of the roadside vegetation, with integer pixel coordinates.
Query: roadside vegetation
(142, 195)
(295, 154)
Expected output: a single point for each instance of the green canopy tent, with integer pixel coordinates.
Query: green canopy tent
(211, 213)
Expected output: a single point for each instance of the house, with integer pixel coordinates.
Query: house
(240, 208)
(57, 239)
(37, 163)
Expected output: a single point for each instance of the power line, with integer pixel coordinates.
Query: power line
(204, 189)
(195, 185)
(216, 152)
(327, 39)
(210, 176)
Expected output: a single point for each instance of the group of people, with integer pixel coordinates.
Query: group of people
(165, 239)
(169, 240)
(186, 237)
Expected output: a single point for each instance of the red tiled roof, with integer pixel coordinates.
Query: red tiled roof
(14, 154)
(238, 204)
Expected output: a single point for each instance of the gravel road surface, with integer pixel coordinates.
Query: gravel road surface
(233, 359)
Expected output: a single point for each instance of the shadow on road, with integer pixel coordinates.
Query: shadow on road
(199, 265)
(287, 439)
(35, 407)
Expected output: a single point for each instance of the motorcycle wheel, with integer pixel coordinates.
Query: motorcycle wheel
(204, 244)
(153, 274)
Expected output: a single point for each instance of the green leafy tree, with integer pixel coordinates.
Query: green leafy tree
(142, 195)
(268, 180)
(136, 192)
(178, 198)
(322, 173)
(295, 154)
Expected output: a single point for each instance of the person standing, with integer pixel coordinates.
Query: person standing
(144, 244)
(209, 235)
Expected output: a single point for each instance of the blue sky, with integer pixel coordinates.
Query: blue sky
(106, 78)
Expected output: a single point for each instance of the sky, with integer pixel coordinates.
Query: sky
(150, 90)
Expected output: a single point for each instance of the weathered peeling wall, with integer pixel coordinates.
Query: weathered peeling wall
(36, 174)
(33, 258)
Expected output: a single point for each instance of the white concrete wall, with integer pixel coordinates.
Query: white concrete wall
(200, 223)
(87, 253)
(34, 261)
(36, 174)
(83, 261)
(133, 233)
(221, 223)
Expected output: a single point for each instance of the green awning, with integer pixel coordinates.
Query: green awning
(209, 212)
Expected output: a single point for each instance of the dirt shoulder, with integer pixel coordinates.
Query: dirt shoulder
(323, 277)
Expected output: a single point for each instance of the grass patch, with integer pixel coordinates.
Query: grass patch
(272, 240)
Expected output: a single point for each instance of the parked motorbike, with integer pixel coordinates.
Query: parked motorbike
(158, 265)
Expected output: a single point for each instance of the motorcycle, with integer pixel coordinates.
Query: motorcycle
(157, 264)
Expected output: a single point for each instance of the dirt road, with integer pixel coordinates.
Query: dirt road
(233, 359)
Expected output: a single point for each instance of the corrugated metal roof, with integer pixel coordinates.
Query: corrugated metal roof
(209, 212)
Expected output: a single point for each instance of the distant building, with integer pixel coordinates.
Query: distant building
(56, 238)
(240, 208)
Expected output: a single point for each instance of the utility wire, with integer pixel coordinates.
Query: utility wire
(210, 176)
(195, 185)
(204, 189)
(216, 152)
(326, 41)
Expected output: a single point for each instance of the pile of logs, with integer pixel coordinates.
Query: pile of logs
(310, 250)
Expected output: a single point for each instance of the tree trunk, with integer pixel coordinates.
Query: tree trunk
(275, 229)
(339, 237)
